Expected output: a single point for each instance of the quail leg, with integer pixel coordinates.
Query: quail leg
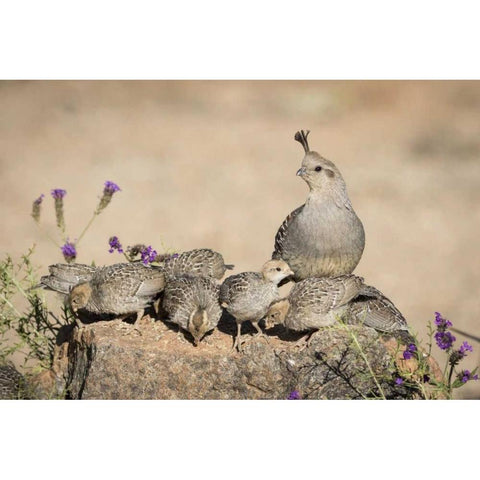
(136, 325)
(259, 330)
(304, 342)
(79, 323)
(237, 337)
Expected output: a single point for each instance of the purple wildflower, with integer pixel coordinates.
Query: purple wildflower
(36, 207)
(110, 188)
(39, 200)
(409, 351)
(399, 381)
(464, 348)
(69, 251)
(58, 193)
(148, 255)
(295, 395)
(466, 375)
(444, 340)
(115, 244)
(441, 323)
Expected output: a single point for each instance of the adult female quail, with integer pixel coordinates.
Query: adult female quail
(324, 237)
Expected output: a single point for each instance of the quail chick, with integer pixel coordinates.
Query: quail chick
(121, 289)
(318, 302)
(324, 237)
(64, 276)
(201, 261)
(11, 383)
(315, 302)
(191, 301)
(248, 295)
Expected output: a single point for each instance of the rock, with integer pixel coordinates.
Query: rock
(115, 360)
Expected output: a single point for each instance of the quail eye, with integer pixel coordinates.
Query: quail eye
(317, 169)
(278, 269)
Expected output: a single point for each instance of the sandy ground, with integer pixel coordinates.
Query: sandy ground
(212, 164)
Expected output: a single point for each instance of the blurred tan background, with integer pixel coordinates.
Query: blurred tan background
(212, 164)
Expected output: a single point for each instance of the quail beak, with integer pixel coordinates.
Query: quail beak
(196, 341)
(289, 274)
(301, 171)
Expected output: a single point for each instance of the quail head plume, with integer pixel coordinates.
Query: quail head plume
(324, 237)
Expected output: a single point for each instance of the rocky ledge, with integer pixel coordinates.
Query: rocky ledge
(116, 360)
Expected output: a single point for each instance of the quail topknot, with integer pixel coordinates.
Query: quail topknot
(119, 290)
(247, 295)
(324, 237)
(191, 301)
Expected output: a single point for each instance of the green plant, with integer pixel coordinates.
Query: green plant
(35, 326)
(432, 384)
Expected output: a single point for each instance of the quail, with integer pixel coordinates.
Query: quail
(191, 301)
(121, 290)
(64, 276)
(12, 383)
(375, 310)
(318, 302)
(201, 261)
(323, 237)
(247, 295)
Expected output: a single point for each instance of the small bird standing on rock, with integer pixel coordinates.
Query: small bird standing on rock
(319, 302)
(324, 237)
(121, 289)
(201, 261)
(191, 301)
(248, 295)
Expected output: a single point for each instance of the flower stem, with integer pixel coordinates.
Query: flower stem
(47, 235)
(87, 227)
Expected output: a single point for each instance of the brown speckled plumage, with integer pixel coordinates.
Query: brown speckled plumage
(375, 310)
(323, 237)
(191, 301)
(12, 383)
(64, 276)
(319, 301)
(121, 289)
(201, 261)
